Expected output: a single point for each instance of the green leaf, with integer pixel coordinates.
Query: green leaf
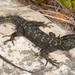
(47, 0)
(40, 1)
(64, 2)
(27, 0)
(69, 4)
(74, 6)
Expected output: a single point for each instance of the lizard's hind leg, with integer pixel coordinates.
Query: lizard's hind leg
(11, 38)
(19, 32)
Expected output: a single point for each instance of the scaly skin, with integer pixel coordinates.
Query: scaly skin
(30, 30)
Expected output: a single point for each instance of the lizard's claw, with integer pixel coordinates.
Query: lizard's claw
(8, 41)
(53, 62)
(11, 39)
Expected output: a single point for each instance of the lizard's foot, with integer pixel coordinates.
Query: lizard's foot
(11, 38)
(50, 60)
(45, 55)
(19, 32)
(54, 62)
(8, 41)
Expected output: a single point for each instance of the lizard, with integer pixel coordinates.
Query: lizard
(47, 43)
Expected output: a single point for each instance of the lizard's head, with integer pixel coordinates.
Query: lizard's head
(68, 42)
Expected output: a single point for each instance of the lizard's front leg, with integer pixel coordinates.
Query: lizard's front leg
(45, 55)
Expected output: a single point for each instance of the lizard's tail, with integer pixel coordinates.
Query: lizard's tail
(5, 19)
(14, 64)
